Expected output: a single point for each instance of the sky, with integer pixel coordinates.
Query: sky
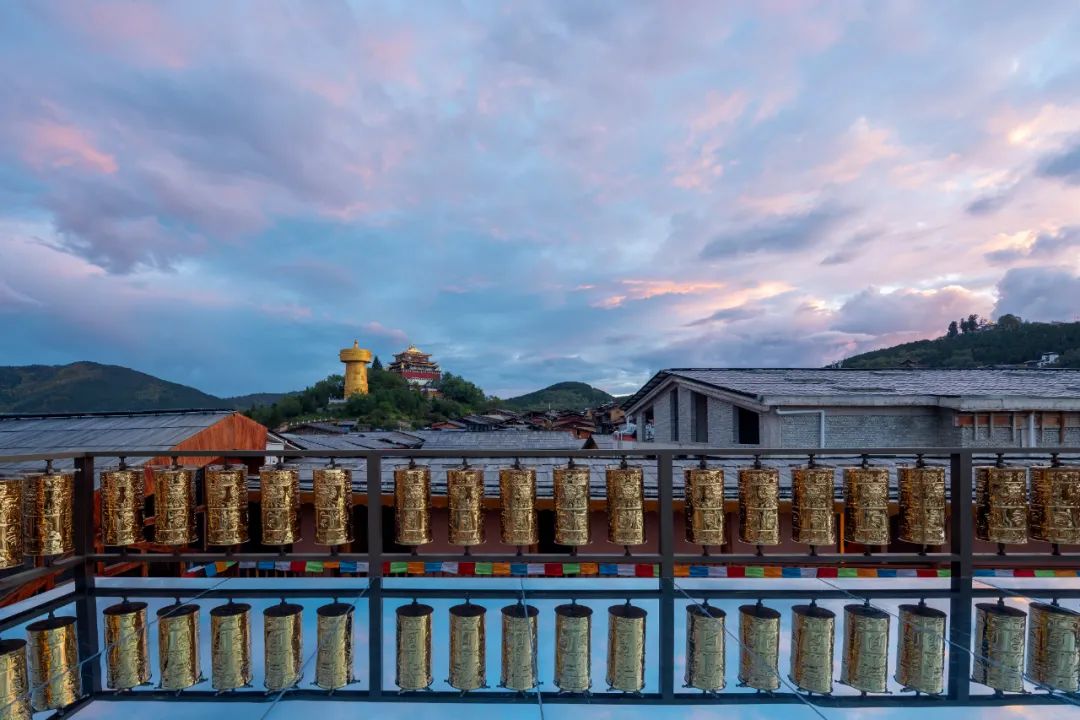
(226, 194)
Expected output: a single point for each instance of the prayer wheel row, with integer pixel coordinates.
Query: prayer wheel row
(1007, 511)
(36, 516)
(1053, 652)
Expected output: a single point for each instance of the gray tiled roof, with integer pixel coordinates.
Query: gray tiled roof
(500, 440)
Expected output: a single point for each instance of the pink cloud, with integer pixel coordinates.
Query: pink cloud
(51, 144)
(138, 30)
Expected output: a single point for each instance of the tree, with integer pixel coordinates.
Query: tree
(953, 330)
(376, 364)
(973, 322)
(1009, 321)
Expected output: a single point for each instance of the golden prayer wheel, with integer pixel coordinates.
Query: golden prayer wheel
(866, 506)
(922, 505)
(1054, 647)
(412, 506)
(813, 521)
(705, 648)
(465, 487)
(517, 506)
(230, 646)
(14, 689)
(174, 506)
(333, 505)
(999, 647)
(1001, 504)
(573, 648)
(865, 662)
(572, 506)
(334, 661)
(519, 647)
(54, 663)
(759, 647)
(626, 505)
(414, 646)
(226, 506)
(759, 506)
(127, 657)
(280, 504)
(704, 506)
(11, 536)
(122, 501)
(920, 655)
(47, 513)
(626, 648)
(467, 647)
(812, 636)
(1055, 505)
(178, 646)
(283, 643)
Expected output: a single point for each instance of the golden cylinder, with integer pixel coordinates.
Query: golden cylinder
(866, 506)
(11, 533)
(174, 506)
(813, 631)
(573, 648)
(230, 646)
(414, 646)
(333, 492)
(759, 506)
(572, 506)
(334, 660)
(920, 654)
(54, 663)
(813, 521)
(178, 646)
(626, 505)
(412, 506)
(1055, 505)
(922, 505)
(465, 487)
(519, 647)
(705, 648)
(283, 643)
(47, 511)
(280, 505)
(626, 648)
(122, 501)
(467, 647)
(127, 657)
(998, 651)
(759, 647)
(226, 506)
(864, 664)
(1001, 504)
(14, 689)
(1054, 647)
(704, 505)
(517, 506)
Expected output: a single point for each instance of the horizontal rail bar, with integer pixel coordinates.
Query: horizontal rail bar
(19, 579)
(37, 611)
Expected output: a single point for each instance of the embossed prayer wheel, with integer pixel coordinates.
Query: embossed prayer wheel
(573, 648)
(626, 648)
(122, 501)
(412, 506)
(866, 506)
(226, 506)
(465, 488)
(178, 646)
(920, 655)
(759, 647)
(519, 647)
(54, 663)
(1001, 504)
(467, 647)
(572, 506)
(280, 504)
(230, 646)
(517, 506)
(813, 521)
(865, 662)
(47, 513)
(334, 658)
(333, 505)
(283, 643)
(1054, 647)
(813, 632)
(127, 657)
(14, 689)
(704, 506)
(705, 648)
(414, 646)
(174, 506)
(626, 505)
(922, 505)
(998, 652)
(11, 534)
(759, 506)
(1055, 505)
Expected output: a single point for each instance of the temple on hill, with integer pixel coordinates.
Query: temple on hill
(417, 368)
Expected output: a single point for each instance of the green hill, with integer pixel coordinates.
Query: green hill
(560, 396)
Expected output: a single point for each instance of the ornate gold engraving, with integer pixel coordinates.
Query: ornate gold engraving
(1054, 647)
(280, 505)
(626, 505)
(759, 647)
(47, 513)
(759, 506)
(572, 506)
(174, 506)
(127, 657)
(813, 631)
(54, 663)
(865, 662)
(866, 506)
(626, 648)
(1001, 504)
(333, 506)
(922, 505)
(412, 506)
(122, 501)
(519, 647)
(283, 642)
(573, 648)
(920, 655)
(813, 521)
(178, 646)
(998, 652)
(705, 506)
(1055, 505)
(230, 646)
(11, 532)
(705, 648)
(414, 646)
(467, 647)
(517, 506)
(465, 486)
(226, 506)
(334, 659)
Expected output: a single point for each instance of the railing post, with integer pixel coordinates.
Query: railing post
(374, 594)
(960, 581)
(664, 479)
(86, 617)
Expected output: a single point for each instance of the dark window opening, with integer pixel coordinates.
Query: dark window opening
(701, 418)
(546, 520)
(747, 427)
(675, 415)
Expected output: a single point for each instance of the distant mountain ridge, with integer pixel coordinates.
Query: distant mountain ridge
(560, 396)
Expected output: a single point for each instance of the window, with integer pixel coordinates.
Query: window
(747, 427)
(675, 415)
(701, 418)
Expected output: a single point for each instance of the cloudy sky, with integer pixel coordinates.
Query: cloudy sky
(224, 194)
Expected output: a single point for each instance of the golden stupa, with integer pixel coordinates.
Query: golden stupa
(356, 360)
